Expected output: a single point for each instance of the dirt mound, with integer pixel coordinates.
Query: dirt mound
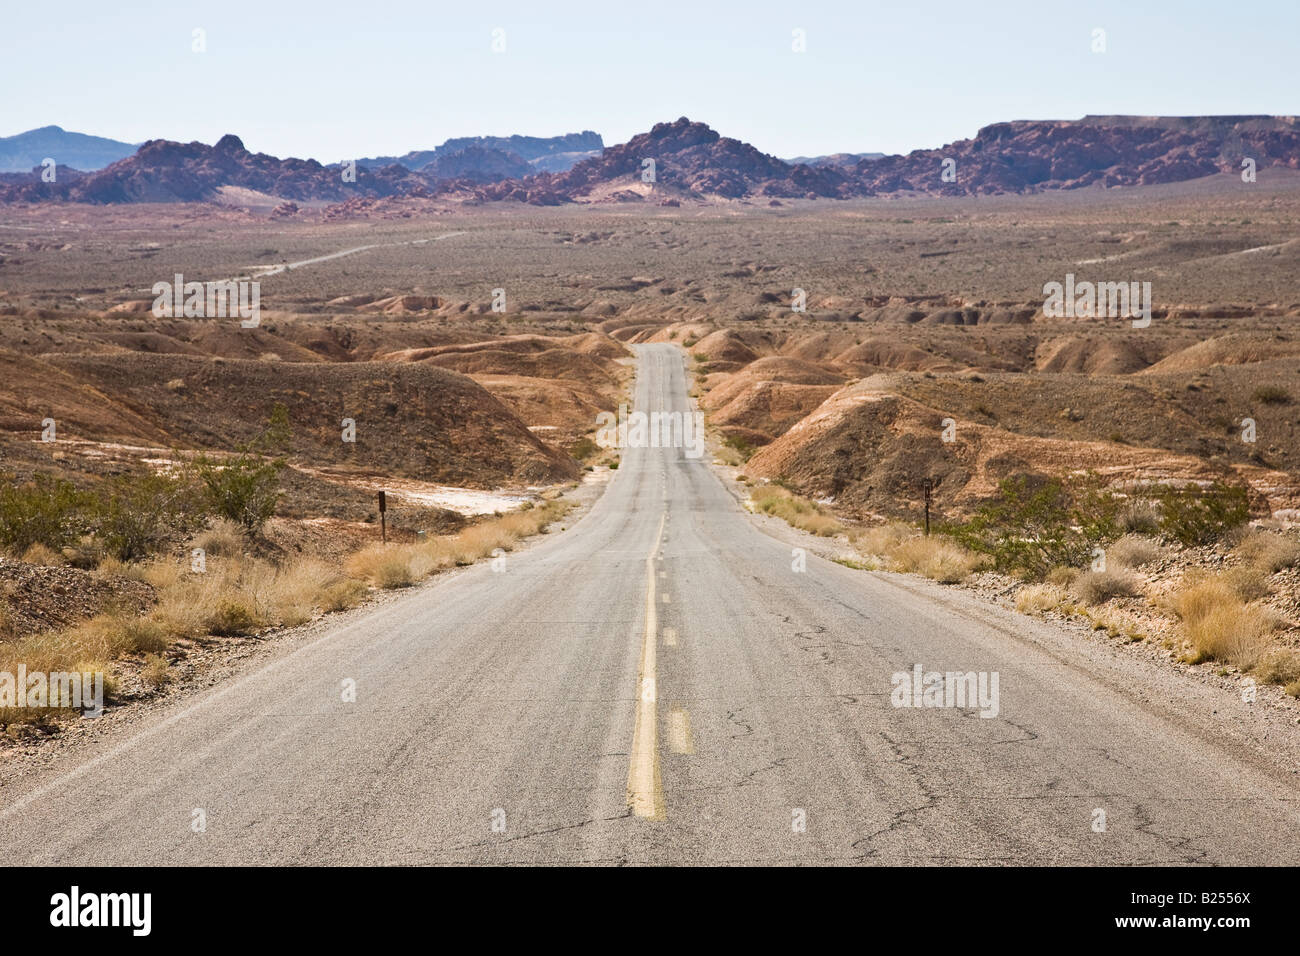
(870, 449)
(412, 420)
(35, 599)
(723, 349)
(892, 354)
(402, 304)
(554, 364)
(764, 410)
(557, 412)
(772, 368)
(32, 390)
(1089, 354)
(1233, 349)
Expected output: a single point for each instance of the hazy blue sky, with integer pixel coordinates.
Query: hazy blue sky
(334, 80)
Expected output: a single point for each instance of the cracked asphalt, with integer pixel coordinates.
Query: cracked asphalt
(494, 721)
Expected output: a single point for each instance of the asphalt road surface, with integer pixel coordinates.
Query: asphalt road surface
(658, 684)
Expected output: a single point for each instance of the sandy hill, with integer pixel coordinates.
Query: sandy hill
(412, 420)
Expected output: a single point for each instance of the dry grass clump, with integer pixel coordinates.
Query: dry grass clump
(1040, 598)
(343, 594)
(238, 594)
(1133, 551)
(222, 539)
(1098, 587)
(881, 540)
(1140, 516)
(1115, 622)
(794, 510)
(156, 672)
(42, 556)
(1238, 634)
(401, 565)
(1268, 551)
(1279, 666)
(937, 558)
(1219, 624)
(385, 566)
(1062, 575)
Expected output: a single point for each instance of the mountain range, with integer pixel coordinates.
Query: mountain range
(77, 150)
(685, 160)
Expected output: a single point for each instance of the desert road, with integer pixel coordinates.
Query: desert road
(658, 684)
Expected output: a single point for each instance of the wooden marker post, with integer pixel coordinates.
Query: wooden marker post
(383, 526)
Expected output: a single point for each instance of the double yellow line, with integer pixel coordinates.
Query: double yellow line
(645, 793)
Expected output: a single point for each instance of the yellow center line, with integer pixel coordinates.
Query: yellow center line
(645, 793)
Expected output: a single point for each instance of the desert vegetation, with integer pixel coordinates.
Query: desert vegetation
(191, 537)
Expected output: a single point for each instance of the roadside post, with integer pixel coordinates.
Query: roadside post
(383, 526)
(928, 487)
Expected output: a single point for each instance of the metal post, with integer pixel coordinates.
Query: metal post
(383, 525)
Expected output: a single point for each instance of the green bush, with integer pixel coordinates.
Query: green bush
(1195, 516)
(245, 489)
(1035, 524)
(138, 515)
(744, 448)
(45, 510)
(583, 448)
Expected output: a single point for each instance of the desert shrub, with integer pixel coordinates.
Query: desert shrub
(1201, 593)
(740, 446)
(244, 488)
(383, 565)
(1098, 587)
(936, 557)
(1269, 551)
(1133, 551)
(135, 516)
(1033, 525)
(583, 448)
(1271, 395)
(47, 511)
(109, 635)
(1218, 624)
(1194, 516)
(1039, 598)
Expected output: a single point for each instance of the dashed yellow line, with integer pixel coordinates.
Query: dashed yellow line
(645, 793)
